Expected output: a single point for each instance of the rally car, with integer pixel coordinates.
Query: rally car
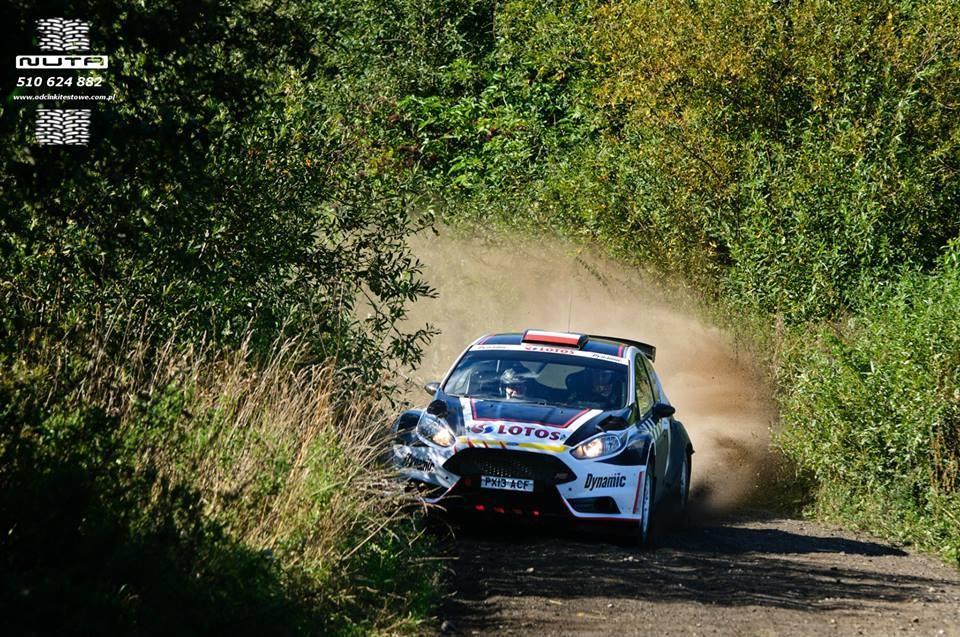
(544, 425)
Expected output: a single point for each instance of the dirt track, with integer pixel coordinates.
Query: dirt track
(730, 573)
(749, 576)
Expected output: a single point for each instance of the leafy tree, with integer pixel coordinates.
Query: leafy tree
(235, 184)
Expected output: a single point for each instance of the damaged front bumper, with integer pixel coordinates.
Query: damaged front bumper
(556, 485)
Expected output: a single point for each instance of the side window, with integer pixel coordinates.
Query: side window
(652, 375)
(644, 390)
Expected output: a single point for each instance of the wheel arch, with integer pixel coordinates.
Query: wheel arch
(407, 420)
(680, 447)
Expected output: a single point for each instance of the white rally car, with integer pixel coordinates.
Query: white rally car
(545, 425)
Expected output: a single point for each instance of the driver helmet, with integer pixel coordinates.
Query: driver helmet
(514, 382)
(601, 381)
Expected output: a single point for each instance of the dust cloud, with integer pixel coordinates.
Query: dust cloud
(509, 285)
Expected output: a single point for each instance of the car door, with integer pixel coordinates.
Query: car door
(658, 396)
(647, 397)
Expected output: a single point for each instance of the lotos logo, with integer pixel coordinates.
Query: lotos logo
(615, 481)
(529, 431)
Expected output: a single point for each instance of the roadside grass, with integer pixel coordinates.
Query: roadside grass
(196, 490)
(871, 410)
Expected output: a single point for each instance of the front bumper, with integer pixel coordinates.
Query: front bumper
(564, 487)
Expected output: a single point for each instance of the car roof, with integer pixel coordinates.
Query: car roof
(610, 346)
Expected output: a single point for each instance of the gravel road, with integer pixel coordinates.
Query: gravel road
(747, 575)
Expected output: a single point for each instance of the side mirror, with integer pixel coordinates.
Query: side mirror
(432, 387)
(613, 423)
(437, 408)
(663, 410)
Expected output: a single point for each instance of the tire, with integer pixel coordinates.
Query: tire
(682, 495)
(646, 524)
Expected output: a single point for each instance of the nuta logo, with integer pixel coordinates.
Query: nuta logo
(58, 35)
(62, 62)
(615, 481)
(65, 47)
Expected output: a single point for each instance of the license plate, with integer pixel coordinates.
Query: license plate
(509, 484)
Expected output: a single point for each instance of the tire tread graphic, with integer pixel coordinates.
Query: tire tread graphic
(59, 127)
(62, 34)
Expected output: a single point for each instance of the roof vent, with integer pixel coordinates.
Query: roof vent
(554, 338)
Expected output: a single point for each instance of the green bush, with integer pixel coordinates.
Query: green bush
(800, 147)
(780, 154)
(871, 409)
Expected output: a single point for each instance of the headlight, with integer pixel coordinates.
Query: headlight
(434, 431)
(602, 445)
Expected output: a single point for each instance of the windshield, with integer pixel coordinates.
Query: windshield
(540, 378)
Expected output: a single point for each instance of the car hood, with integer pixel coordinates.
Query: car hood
(506, 423)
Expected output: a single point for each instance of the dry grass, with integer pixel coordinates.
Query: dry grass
(278, 463)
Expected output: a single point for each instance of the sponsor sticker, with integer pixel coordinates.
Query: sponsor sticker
(526, 347)
(528, 431)
(614, 481)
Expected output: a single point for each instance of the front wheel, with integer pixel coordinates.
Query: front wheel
(646, 507)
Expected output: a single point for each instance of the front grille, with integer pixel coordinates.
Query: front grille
(602, 504)
(510, 464)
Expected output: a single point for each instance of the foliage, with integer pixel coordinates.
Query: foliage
(197, 492)
(780, 154)
(872, 410)
(232, 187)
(165, 469)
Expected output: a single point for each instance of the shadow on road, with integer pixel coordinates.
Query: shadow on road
(738, 563)
(734, 540)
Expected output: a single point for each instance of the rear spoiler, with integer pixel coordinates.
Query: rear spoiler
(648, 350)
